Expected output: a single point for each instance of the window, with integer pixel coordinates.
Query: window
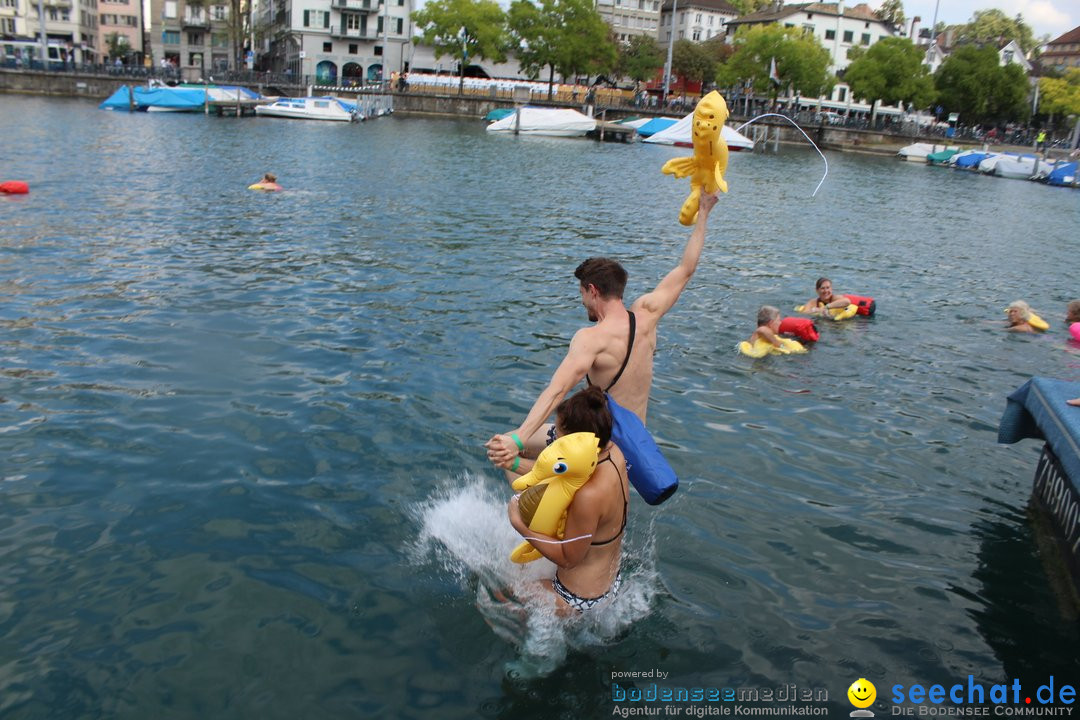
(194, 38)
(400, 26)
(848, 35)
(866, 38)
(219, 40)
(841, 94)
(378, 51)
(697, 36)
(807, 28)
(697, 19)
(316, 18)
(170, 10)
(353, 48)
(378, 28)
(170, 37)
(219, 12)
(7, 25)
(328, 47)
(352, 22)
(640, 4)
(830, 34)
(711, 18)
(1008, 57)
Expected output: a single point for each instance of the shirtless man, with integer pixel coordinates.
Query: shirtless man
(599, 353)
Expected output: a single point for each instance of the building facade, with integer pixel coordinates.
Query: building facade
(837, 28)
(631, 17)
(71, 32)
(336, 42)
(195, 37)
(1063, 52)
(122, 20)
(695, 20)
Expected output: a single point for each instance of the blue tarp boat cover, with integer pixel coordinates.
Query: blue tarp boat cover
(498, 114)
(171, 98)
(1063, 174)
(1038, 409)
(972, 160)
(655, 125)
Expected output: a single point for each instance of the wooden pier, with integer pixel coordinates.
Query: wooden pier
(235, 108)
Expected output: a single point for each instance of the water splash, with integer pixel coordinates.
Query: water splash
(464, 530)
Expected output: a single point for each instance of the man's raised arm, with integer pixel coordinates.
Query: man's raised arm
(667, 292)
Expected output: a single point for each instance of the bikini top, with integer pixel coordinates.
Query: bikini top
(629, 347)
(626, 503)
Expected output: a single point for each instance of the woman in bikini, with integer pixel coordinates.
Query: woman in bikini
(588, 558)
(825, 299)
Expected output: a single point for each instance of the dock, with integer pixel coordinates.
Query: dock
(1038, 410)
(613, 132)
(235, 108)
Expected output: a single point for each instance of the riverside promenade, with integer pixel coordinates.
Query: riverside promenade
(472, 103)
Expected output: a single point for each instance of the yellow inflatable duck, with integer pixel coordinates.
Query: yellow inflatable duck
(709, 163)
(836, 313)
(762, 347)
(560, 471)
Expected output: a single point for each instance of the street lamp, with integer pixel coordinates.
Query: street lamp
(670, 45)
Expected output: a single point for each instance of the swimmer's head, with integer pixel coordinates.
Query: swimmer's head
(767, 315)
(1072, 312)
(1018, 311)
(604, 276)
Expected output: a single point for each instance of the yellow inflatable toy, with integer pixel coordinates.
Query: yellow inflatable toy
(560, 471)
(265, 187)
(763, 347)
(709, 163)
(840, 313)
(1035, 321)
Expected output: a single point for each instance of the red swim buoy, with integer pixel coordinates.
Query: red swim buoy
(802, 328)
(14, 187)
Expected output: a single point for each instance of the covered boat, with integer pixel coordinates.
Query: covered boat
(942, 157)
(1063, 174)
(311, 108)
(1020, 168)
(556, 122)
(654, 125)
(918, 152)
(679, 134)
(970, 160)
(182, 98)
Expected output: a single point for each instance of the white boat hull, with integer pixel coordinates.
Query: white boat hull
(307, 109)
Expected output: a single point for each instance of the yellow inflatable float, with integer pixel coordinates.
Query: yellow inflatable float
(840, 313)
(709, 163)
(559, 472)
(762, 347)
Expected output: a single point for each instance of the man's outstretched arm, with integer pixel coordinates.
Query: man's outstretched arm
(667, 292)
(579, 358)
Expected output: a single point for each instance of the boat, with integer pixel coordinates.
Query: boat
(498, 114)
(651, 126)
(1021, 168)
(942, 157)
(969, 160)
(553, 122)
(918, 152)
(181, 98)
(311, 108)
(1064, 175)
(990, 162)
(678, 133)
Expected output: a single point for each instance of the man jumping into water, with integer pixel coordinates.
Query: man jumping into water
(617, 352)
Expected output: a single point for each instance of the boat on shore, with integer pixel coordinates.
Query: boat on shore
(311, 108)
(919, 152)
(679, 133)
(179, 98)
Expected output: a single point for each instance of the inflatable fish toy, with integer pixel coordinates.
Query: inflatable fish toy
(707, 166)
(561, 469)
(762, 347)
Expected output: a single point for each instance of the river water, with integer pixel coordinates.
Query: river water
(240, 432)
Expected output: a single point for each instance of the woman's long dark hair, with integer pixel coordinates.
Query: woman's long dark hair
(586, 411)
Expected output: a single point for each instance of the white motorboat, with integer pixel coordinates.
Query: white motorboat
(555, 122)
(917, 152)
(311, 108)
(1021, 168)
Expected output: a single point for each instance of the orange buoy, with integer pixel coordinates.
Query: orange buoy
(14, 187)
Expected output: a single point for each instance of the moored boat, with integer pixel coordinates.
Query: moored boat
(679, 133)
(554, 122)
(311, 108)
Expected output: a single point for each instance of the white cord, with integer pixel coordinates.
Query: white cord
(785, 117)
(558, 542)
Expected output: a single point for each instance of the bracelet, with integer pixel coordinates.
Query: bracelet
(517, 463)
(517, 441)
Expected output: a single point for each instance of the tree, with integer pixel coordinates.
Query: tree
(691, 61)
(117, 45)
(567, 36)
(972, 82)
(892, 71)
(1060, 95)
(801, 61)
(640, 57)
(991, 26)
(892, 13)
(464, 29)
(745, 7)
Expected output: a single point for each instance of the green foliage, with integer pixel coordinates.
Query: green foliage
(972, 82)
(891, 70)
(745, 7)
(117, 44)
(691, 61)
(567, 36)
(801, 61)
(892, 12)
(988, 26)
(464, 29)
(1060, 95)
(640, 57)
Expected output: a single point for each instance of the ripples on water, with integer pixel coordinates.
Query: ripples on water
(223, 414)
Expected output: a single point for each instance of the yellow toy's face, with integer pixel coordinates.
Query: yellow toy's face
(711, 113)
(862, 693)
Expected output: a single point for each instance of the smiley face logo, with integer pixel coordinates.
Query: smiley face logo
(862, 693)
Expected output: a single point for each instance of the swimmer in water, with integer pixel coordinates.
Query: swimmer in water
(768, 320)
(1019, 316)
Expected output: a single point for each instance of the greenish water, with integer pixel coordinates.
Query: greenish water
(240, 433)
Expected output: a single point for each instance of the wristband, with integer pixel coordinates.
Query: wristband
(517, 462)
(517, 441)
